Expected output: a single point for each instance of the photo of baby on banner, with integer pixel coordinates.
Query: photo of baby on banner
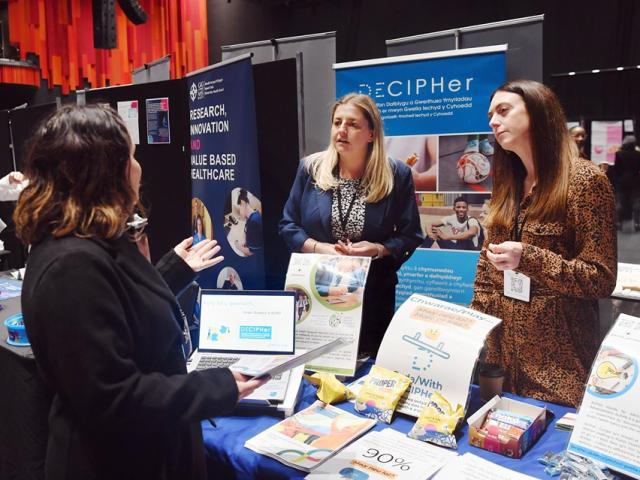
(465, 162)
(453, 221)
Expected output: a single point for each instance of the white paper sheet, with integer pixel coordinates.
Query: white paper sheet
(472, 467)
(427, 340)
(383, 455)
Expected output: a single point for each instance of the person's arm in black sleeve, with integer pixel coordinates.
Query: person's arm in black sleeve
(85, 345)
(175, 271)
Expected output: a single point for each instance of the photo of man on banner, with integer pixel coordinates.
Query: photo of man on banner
(457, 231)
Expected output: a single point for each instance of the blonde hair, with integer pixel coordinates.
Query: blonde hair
(553, 151)
(377, 180)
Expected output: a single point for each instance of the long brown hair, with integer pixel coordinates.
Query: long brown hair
(378, 175)
(553, 150)
(77, 166)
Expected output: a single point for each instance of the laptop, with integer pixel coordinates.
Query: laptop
(235, 324)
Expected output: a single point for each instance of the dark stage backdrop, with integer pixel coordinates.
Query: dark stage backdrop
(277, 121)
(577, 35)
(166, 186)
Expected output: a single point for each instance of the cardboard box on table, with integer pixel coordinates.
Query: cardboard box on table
(504, 444)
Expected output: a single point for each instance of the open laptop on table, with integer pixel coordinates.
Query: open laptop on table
(235, 324)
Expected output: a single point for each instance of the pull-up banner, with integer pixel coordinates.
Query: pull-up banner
(225, 182)
(434, 108)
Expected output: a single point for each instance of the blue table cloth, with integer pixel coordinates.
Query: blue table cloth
(227, 457)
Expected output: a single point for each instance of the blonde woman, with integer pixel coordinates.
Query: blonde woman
(351, 199)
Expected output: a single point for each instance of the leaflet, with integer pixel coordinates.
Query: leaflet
(310, 437)
(428, 339)
(330, 290)
(607, 429)
(628, 281)
(383, 455)
(472, 467)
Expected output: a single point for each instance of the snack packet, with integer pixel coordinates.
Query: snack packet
(381, 393)
(330, 389)
(437, 422)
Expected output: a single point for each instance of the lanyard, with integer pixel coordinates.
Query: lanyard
(344, 217)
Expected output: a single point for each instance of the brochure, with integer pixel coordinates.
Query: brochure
(472, 467)
(428, 339)
(628, 282)
(383, 455)
(329, 289)
(281, 364)
(607, 428)
(310, 437)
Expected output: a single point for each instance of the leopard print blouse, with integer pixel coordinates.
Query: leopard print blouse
(547, 345)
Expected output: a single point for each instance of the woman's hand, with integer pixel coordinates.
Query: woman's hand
(245, 386)
(505, 256)
(321, 247)
(200, 256)
(359, 249)
(15, 178)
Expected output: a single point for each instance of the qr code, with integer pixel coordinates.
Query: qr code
(516, 284)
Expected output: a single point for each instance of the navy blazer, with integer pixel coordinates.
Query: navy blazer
(394, 221)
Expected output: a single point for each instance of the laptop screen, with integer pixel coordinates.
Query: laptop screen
(245, 321)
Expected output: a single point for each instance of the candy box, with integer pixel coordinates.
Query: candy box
(513, 441)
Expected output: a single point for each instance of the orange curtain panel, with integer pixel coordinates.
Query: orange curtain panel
(60, 33)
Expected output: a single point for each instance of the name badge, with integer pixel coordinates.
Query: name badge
(516, 285)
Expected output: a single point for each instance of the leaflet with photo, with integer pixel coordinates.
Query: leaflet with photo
(607, 427)
(329, 290)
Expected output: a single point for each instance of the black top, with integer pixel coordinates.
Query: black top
(107, 337)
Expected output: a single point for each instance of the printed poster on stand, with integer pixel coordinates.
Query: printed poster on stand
(329, 292)
(434, 108)
(128, 111)
(428, 340)
(607, 428)
(606, 138)
(225, 179)
(158, 130)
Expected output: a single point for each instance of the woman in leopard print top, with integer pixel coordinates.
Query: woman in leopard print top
(552, 220)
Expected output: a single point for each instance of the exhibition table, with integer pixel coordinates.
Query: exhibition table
(24, 407)
(225, 437)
